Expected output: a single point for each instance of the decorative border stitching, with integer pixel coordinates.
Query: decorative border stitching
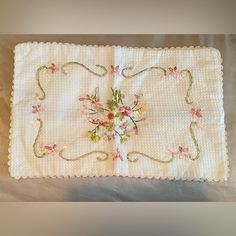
(54, 68)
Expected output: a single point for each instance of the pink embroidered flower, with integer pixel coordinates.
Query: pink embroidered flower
(96, 105)
(50, 149)
(99, 122)
(125, 111)
(113, 118)
(197, 113)
(124, 125)
(85, 98)
(117, 154)
(110, 137)
(85, 110)
(182, 151)
(115, 69)
(54, 68)
(110, 116)
(173, 71)
(37, 109)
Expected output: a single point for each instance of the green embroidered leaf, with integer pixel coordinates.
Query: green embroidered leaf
(110, 127)
(111, 105)
(123, 139)
(95, 138)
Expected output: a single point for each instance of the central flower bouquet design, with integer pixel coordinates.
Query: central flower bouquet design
(112, 119)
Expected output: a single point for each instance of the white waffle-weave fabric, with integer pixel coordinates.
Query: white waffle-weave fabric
(182, 136)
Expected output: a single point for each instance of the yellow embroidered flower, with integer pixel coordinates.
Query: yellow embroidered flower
(140, 110)
(88, 134)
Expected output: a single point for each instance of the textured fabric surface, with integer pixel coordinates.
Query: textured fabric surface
(182, 136)
(117, 188)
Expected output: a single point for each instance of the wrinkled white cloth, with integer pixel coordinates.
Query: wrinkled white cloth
(182, 136)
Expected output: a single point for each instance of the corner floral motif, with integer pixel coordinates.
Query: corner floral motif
(54, 68)
(173, 71)
(114, 118)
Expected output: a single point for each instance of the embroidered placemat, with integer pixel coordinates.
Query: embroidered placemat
(111, 110)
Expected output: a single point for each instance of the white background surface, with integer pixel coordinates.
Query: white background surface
(118, 188)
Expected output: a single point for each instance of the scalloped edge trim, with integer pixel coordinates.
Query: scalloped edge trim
(115, 46)
(117, 175)
(225, 144)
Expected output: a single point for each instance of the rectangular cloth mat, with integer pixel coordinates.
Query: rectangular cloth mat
(117, 111)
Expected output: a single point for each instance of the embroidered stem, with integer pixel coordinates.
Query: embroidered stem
(43, 96)
(140, 72)
(84, 155)
(150, 157)
(135, 125)
(188, 97)
(194, 123)
(84, 66)
(35, 145)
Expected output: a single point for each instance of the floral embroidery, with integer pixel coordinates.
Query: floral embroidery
(54, 68)
(50, 149)
(37, 109)
(182, 151)
(173, 71)
(115, 70)
(117, 154)
(112, 119)
(196, 113)
(115, 118)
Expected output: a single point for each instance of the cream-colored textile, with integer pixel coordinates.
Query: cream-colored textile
(180, 131)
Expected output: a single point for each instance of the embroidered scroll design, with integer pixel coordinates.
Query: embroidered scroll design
(85, 67)
(188, 97)
(105, 154)
(173, 71)
(123, 72)
(39, 152)
(124, 111)
(43, 94)
(173, 154)
(54, 68)
(135, 153)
